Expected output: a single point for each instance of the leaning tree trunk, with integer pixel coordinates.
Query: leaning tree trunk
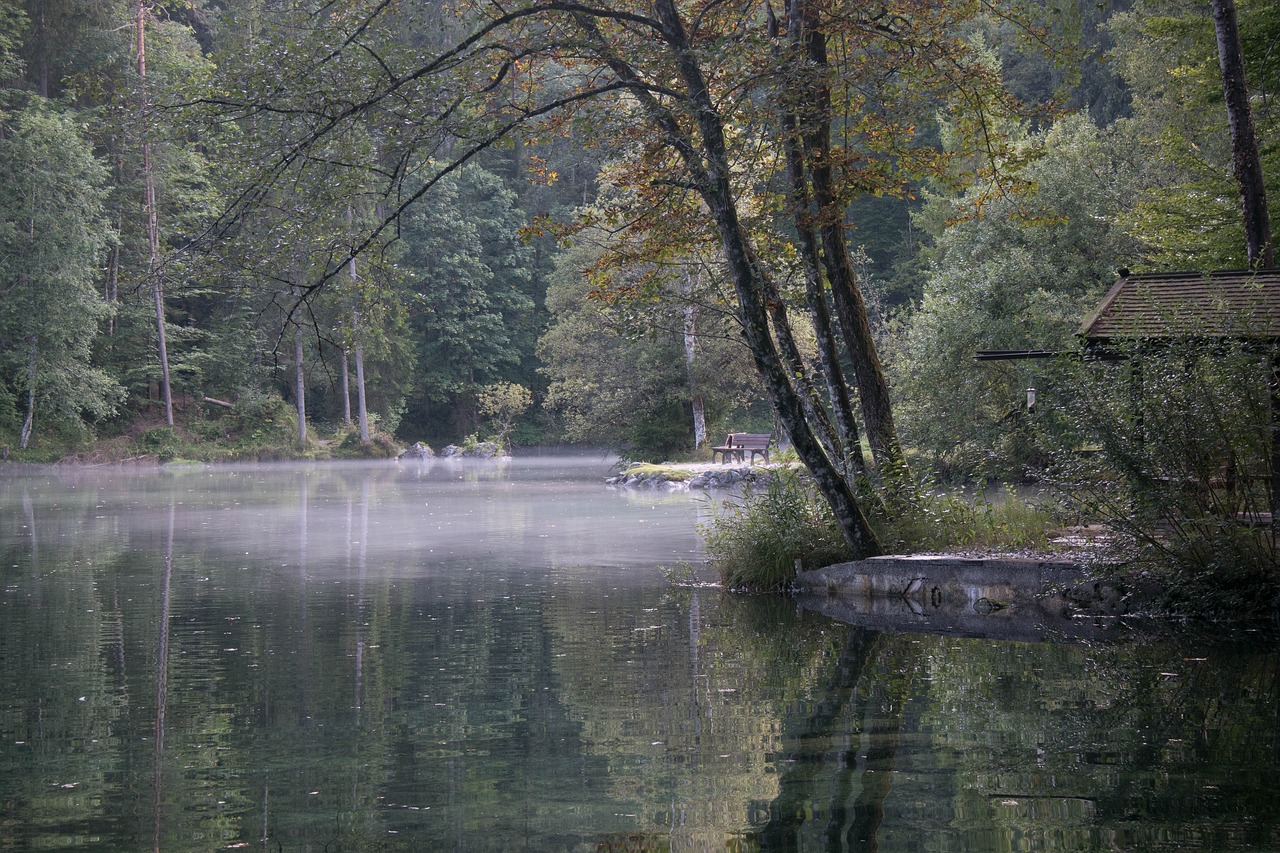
(1244, 142)
(848, 447)
(29, 423)
(709, 163)
(851, 311)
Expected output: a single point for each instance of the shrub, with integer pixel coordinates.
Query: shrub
(160, 442)
(1170, 449)
(758, 540)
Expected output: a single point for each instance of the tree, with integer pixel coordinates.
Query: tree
(1020, 277)
(616, 351)
(1246, 165)
(716, 103)
(471, 277)
(152, 216)
(53, 237)
(1190, 213)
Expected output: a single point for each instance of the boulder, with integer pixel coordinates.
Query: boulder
(481, 450)
(417, 450)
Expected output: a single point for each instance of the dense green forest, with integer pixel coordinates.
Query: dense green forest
(319, 227)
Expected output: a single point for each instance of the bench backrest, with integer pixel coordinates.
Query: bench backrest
(750, 440)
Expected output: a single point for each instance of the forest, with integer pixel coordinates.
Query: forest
(251, 229)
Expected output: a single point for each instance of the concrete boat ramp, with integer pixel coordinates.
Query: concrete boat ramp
(1008, 598)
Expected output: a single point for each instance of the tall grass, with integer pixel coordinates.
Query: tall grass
(761, 539)
(758, 539)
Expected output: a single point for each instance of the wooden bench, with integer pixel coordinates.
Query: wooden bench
(738, 444)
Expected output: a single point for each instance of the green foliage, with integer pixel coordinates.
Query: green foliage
(347, 445)
(1178, 472)
(757, 541)
(933, 519)
(616, 356)
(1166, 51)
(53, 236)
(503, 403)
(161, 442)
(261, 418)
(474, 300)
(1022, 275)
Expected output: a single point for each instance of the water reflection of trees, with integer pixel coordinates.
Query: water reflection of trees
(342, 708)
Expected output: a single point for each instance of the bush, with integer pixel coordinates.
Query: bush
(758, 540)
(160, 442)
(1178, 473)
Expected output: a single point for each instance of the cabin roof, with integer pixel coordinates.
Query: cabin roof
(1237, 304)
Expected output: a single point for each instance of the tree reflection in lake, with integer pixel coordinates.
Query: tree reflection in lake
(487, 657)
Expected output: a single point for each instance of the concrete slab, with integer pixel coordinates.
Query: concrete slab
(999, 597)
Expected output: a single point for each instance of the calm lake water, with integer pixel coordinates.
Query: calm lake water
(488, 656)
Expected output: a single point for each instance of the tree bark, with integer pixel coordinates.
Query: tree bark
(29, 423)
(847, 445)
(346, 389)
(1244, 142)
(362, 411)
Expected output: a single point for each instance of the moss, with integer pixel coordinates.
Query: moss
(667, 472)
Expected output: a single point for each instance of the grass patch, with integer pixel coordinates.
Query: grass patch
(933, 520)
(666, 472)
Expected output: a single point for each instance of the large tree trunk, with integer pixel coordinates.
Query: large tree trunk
(851, 311)
(345, 379)
(710, 166)
(847, 446)
(690, 352)
(1244, 142)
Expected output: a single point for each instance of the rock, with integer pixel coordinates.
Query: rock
(417, 450)
(728, 478)
(481, 450)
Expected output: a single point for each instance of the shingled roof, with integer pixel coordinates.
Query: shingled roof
(1236, 304)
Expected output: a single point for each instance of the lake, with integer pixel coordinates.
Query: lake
(491, 656)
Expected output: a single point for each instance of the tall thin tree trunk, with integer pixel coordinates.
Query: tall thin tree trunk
(300, 387)
(346, 389)
(29, 423)
(42, 48)
(153, 225)
(111, 290)
(361, 411)
(690, 353)
(1244, 141)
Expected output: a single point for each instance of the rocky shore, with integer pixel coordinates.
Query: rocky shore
(684, 477)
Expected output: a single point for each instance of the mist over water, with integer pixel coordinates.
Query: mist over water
(487, 656)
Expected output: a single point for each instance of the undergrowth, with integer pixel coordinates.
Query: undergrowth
(761, 539)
